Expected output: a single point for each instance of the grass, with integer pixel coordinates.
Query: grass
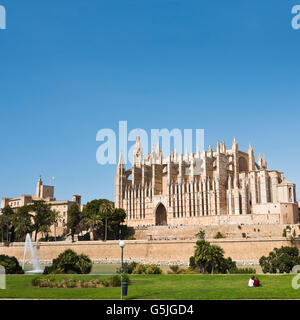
(207, 287)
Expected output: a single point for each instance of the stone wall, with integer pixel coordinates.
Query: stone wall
(188, 232)
(220, 220)
(244, 251)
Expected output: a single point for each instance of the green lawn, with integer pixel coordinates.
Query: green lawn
(162, 287)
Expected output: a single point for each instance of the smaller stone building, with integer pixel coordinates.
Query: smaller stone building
(46, 193)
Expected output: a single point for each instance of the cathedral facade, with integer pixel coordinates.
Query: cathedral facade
(222, 186)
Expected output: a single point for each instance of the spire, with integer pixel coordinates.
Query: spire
(186, 154)
(39, 187)
(158, 147)
(224, 147)
(121, 160)
(175, 155)
(198, 152)
(265, 163)
(158, 153)
(235, 146)
(210, 152)
(137, 153)
(218, 146)
(260, 161)
(251, 158)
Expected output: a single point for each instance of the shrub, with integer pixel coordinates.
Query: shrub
(139, 269)
(153, 269)
(35, 282)
(50, 282)
(175, 269)
(187, 271)
(219, 235)
(131, 238)
(281, 260)
(242, 271)
(115, 281)
(43, 282)
(126, 278)
(11, 265)
(128, 267)
(200, 234)
(147, 269)
(106, 283)
(70, 262)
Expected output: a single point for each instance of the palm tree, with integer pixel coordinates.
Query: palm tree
(202, 254)
(43, 217)
(6, 224)
(22, 222)
(215, 256)
(106, 208)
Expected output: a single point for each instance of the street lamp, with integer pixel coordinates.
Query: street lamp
(122, 245)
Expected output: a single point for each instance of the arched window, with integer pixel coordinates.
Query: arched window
(243, 164)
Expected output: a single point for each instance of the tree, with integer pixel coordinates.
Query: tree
(43, 217)
(116, 218)
(202, 255)
(280, 260)
(216, 257)
(70, 262)
(22, 222)
(73, 219)
(210, 258)
(106, 209)
(6, 224)
(92, 218)
(102, 219)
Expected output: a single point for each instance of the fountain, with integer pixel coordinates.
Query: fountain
(34, 258)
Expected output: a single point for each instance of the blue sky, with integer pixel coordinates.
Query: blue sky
(69, 68)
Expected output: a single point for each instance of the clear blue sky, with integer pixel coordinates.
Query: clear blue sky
(69, 68)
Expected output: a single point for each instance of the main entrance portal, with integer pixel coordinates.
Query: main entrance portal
(161, 216)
